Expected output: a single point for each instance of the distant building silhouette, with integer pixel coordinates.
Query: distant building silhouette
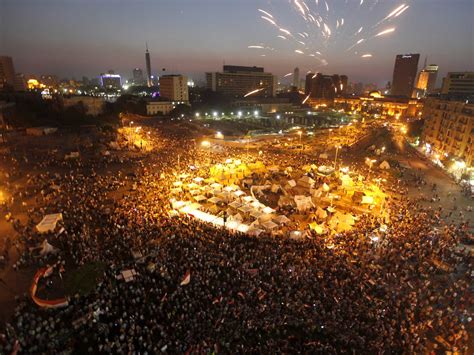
(320, 86)
(7, 73)
(148, 68)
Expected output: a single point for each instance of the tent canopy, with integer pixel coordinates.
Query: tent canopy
(48, 223)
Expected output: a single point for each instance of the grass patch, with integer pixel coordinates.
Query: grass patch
(84, 279)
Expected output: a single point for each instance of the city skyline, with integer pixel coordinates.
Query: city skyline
(88, 38)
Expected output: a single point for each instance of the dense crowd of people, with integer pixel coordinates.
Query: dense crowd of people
(408, 290)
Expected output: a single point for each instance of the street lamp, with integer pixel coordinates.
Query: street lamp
(300, 133)
(335, 158)
(197, 114)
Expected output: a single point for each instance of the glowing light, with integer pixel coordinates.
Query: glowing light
(269, 20)
(402, 11)
(266, 13)
(299, 51)
(306, 98)
(256, 47)
(368, 55)
(252, 92)
(395, 11)
(388, 30)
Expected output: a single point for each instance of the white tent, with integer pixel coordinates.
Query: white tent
(297, 234)
(47, 248)
(326, 187)
(303, 203)
(292, 183)
(215, 200)
(200, 198)
(255, 231)
(321, 214)
(72, 155)
(281, 219)
(323, 156)
(385, 165)
(238, 193)
(235, 204)
(268, 210)
(306, 182)
(369, 200)
(269, 225)
(128, 275)
(48, 223)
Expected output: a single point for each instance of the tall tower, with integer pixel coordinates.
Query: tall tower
(296, 78)
(148, 67)
(404, 74)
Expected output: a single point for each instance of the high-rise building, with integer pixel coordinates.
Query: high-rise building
(20, 82)
(138, 76)
(148, 68)
(111, 81)
(458, 83)
(448, 128)
(321, 86)
(427, 79)
(404, 74)
(174, 88)
(7, 73)
(237, 81)
(296, 78)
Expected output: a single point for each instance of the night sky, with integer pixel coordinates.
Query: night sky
(71, 38)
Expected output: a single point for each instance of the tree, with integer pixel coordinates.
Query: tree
(181, 109)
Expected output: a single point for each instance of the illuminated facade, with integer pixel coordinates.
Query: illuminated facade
(427, 79)
(449, 129)
(236, 81)
(174, 88)
(111, 81)
(378, 104)
(159, 107)
(458, 83)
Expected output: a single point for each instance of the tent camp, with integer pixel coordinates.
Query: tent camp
(303, 203)
(49, 222)
(47, 248)
(321, 214)
(269, 225)
(384, 165)
(281, 219)
(296, 235)
(306, 182)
